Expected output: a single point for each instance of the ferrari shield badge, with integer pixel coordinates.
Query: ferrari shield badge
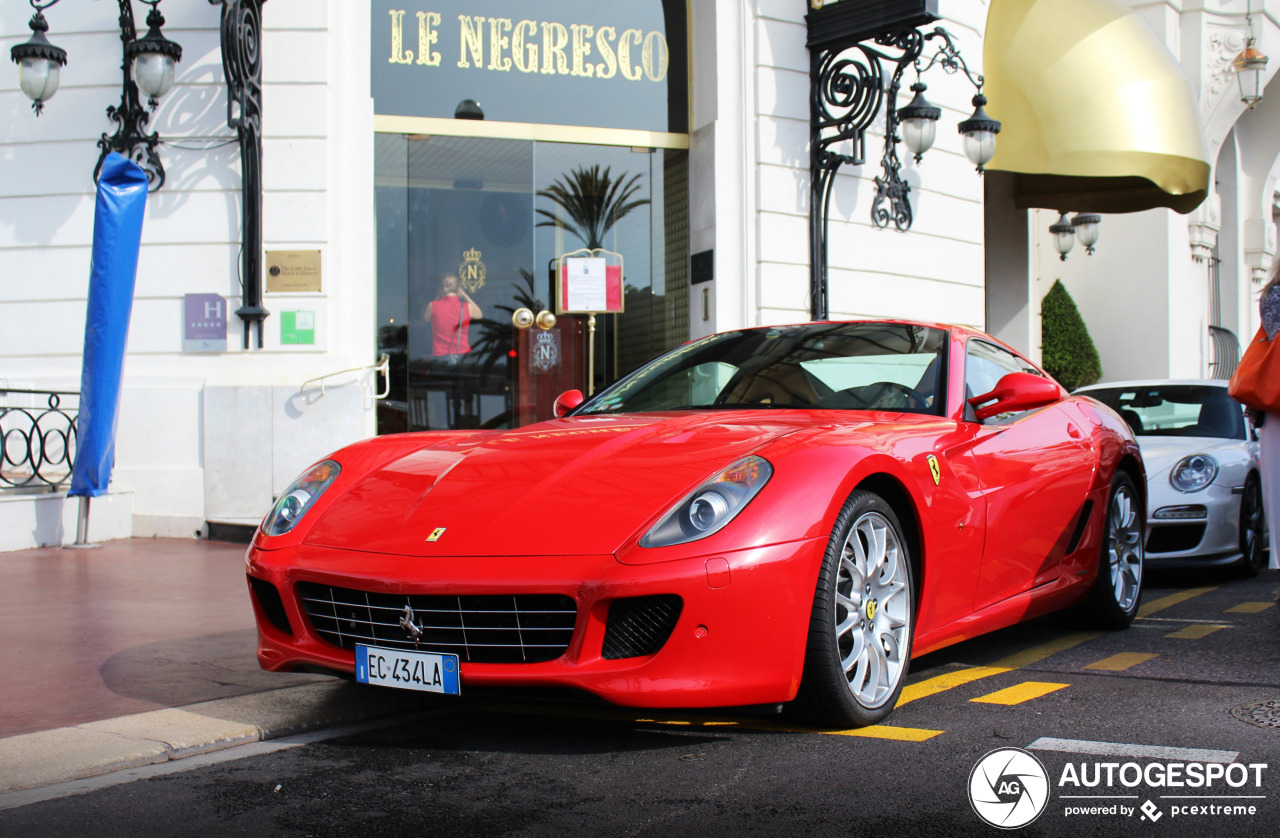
(934, 469)
(435, 534)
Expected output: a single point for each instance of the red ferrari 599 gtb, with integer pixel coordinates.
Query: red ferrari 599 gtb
(766, 515)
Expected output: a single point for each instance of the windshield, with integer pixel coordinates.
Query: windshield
(830, 366)
(1175, 410)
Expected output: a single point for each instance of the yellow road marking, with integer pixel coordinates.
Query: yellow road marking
(1019, 693)
(901, 734)
(946, 681)
(1038, 653)
(1121, 662)
(1195, 632)
(1249, 607)
(1172, 600)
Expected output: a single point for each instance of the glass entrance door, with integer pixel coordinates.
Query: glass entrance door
(467, 232)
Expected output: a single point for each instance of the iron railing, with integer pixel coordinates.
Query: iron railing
(37, 438)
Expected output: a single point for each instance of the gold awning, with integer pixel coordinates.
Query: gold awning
(1097, 114)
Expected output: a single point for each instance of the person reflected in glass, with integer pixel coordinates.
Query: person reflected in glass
(450, 315)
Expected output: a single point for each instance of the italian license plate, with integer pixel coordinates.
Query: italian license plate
(407, 670)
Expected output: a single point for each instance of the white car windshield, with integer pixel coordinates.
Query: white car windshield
(1175, 410)
(825, 366)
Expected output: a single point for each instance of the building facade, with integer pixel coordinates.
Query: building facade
(409, 141)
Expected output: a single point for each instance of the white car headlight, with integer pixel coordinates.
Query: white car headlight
(712, 505)
(1193, 473)
(299, 497)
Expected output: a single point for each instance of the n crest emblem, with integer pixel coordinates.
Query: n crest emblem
(471, 271)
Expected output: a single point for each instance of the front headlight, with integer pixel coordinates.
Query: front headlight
(1193, 473)
(711, 505)
(299, 497)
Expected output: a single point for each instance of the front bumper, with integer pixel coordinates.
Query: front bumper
(739, 639)
(1194, 542)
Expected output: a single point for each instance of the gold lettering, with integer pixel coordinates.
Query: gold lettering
(471, 35)
(609, 67)
(581, 49)
(656, 56)
(399, 55)
(426, 37)
(554, 39)
(525, 56)
(498, 43)
(629, 71)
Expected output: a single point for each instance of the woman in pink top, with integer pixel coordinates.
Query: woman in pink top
(450, 314)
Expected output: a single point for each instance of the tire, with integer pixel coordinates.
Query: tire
(1253, 530)
(863, 619)
(1117, 591)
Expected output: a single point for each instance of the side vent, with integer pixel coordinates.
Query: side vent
(272, 606)
(1081, 523)
(639, 626)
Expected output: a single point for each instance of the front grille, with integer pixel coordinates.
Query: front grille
(515, 628)
(1174, 538)
(640, 625)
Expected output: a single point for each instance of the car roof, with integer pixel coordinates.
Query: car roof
(1155, 382)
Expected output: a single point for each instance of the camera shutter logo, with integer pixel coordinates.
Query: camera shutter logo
(1008, 788)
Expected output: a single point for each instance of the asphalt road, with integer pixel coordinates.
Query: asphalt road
(1154, 702)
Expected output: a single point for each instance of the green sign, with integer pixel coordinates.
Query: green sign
(298, 327)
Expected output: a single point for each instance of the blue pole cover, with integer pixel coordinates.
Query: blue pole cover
(113, 268)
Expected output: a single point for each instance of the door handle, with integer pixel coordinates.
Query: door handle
(1073, 431)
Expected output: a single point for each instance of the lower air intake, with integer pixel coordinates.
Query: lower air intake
(639, 626)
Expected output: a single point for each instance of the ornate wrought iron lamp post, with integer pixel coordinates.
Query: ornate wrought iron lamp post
(858, 55)
(147, 66)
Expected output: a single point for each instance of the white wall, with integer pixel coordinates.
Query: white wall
(750, 150)
(317, 195)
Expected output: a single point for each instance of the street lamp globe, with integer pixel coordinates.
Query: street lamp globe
(1064, 235)
(919, 121)
(154, 58)
(39, 64)
(979, 133)
(1086, 227)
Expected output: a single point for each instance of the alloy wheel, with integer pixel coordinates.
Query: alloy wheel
(1124, 547)
(872, 613)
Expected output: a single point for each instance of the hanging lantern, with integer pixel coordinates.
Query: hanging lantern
(919, 121)
(154, 58)
(979, 133)
(1086, 229)
(1250, 65)
(1064, 235)
(39, 64)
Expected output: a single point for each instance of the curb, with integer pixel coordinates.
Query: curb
(34, 760)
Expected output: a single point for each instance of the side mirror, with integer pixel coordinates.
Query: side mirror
(1016, 391)
(568, 401)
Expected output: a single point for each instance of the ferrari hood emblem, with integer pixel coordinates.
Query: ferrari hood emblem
(934, 469)
(435, 534)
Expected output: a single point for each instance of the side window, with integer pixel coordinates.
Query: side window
(985, 364)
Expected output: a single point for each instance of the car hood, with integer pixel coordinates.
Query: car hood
(573, 486)
(1161, 453)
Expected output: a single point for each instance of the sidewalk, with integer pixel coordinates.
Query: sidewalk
(142, 651)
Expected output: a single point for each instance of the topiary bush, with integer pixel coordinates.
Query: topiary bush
(1068, 351)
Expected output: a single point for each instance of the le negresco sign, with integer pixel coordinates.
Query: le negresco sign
(570, 62)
